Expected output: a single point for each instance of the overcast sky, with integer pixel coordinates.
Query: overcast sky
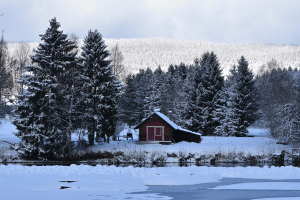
(225, 21)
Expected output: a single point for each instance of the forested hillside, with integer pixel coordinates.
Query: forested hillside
(152, 52)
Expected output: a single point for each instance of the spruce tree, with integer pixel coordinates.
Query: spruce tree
(128, 102)
(203, 102)
(180, 94)
(140, 82)
(100, 89)
(173, 85)
(191, 114)
(147, 89)
(157, 95)
(41, 117)
(247, 96)
(227, 110)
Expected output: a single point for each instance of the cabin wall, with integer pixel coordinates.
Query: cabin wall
(180, 136)
(155, 122)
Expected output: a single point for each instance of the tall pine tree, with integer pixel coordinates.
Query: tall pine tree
(41, 111)
(100, 89)
(141, 90)
(129, 102)
(247, 96)
(227, 112)
(156, 97)
(204, 89)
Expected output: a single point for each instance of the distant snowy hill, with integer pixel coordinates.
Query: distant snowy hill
(143, 53)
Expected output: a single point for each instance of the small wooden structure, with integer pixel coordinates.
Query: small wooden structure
(158, 128)
(129, 134)
(279, 158)
(295, 155)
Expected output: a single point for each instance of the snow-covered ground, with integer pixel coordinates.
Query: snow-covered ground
(110, 182)
(233, 148)
(7, 138)
(209, 145)
(6, 131)
(259, 145)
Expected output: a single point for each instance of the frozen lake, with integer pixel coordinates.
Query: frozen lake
(111, 182)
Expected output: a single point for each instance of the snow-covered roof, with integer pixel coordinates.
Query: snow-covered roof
(166, 119)
(170, 122)
(185, 130)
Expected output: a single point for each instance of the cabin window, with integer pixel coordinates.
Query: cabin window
(158, 131)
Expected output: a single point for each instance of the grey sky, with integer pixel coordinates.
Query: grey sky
(235, 21)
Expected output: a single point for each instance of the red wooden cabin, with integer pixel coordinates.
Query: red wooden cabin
(159, 128)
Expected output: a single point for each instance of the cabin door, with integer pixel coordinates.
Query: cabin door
(150, 133)
(155, 133)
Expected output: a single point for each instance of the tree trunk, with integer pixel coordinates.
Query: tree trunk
(92, 134)
(107, 139)
(91, 139)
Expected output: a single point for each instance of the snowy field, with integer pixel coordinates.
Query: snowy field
(259, 145)
(110, 182)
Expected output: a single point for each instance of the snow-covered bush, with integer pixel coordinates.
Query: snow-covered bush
(184, 156)
(158, 156)
(82, 143)
(6, 152)
(135, 154)
(2, 150)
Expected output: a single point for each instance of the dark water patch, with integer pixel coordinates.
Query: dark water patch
(206, 191)
(67, 181)
(64, 187)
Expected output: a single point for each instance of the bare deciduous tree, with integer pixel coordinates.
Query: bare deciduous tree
(73, 37)
(117, 62)
(22, 58)
(5, 74)
(22, 53)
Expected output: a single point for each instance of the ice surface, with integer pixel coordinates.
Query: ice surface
(261, 186)
(108, 182)
(280, 198)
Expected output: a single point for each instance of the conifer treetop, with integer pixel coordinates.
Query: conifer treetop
(94, 50)
(54, 48)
